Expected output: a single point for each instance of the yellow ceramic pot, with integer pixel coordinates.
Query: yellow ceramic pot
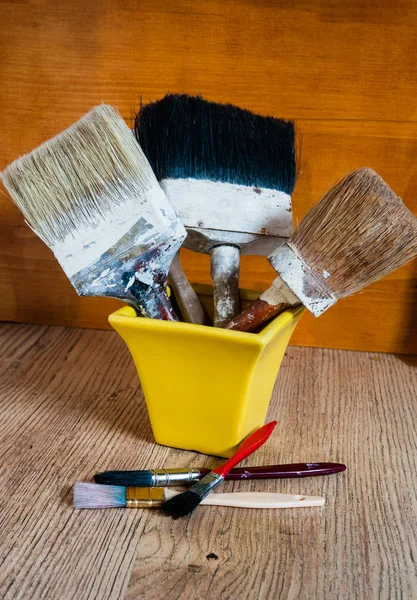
(205, 388)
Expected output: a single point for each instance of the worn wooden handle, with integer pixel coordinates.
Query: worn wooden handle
(152, 301)
(225, 268)
(277, 298)
(189, 303)
(160, 307)
(256, 315)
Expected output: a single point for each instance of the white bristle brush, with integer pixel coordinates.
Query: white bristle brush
(96, 496)
(90, 194)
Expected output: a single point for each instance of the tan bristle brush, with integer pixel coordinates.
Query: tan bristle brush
(90, 194)
(358, 232)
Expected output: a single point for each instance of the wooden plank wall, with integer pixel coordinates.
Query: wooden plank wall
(345, 71)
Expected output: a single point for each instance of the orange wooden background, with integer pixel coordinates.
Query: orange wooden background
(345, 71)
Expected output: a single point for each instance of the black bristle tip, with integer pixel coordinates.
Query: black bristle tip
(181, 505)
(127, 478)
(189, 137)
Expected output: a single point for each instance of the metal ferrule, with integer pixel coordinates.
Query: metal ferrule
(307, 284)
(205, 485)
(167, 477)
(137, 497)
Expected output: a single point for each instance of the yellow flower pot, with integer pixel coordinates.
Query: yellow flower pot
(206, 389)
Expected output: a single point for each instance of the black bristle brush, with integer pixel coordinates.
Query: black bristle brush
(230, 174)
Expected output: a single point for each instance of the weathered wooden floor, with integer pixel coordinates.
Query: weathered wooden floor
(71, 405)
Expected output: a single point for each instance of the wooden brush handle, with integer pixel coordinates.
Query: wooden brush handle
(153, 302)
(277, 298)
(161, 308)
(280, 471)
(262, 500)
(189, 303)
(150, 299)
(255, 315)
(224, 268)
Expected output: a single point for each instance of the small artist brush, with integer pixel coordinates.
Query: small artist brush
(229, 174)
(90, 495)
(90, 194)
(358, 232)
(167, 477)
(185, 503)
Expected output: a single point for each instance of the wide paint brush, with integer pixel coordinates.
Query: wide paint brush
(90, 495)
(229, 173)
(185, 503)
(90, 194)
(358, 232)
(167, 477)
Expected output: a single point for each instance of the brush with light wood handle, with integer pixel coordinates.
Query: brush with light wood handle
(358, 232)
(94, 496)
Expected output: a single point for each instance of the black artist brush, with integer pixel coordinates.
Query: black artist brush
(167, 477)
(229, 174)
(185, 503)
(90, 194)
(90, 495)
(358, 232)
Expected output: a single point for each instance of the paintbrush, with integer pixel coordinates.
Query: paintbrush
(358, 232)
(90, 495)
(90, 194)
(167, 477)
(188, 302)
(185, 503)
(229, 173)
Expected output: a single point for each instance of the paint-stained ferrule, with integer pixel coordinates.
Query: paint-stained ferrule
(217, 212)
(137, 276)
(137, 497)
(207, 484)
(168, 477)
(303, 282)
(207, 204)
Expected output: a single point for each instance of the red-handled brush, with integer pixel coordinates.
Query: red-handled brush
(185, 503)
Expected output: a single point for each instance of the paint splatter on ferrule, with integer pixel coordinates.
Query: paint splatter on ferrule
(206, 204)
(303, 282)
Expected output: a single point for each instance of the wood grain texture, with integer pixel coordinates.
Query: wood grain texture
(346, 71)
(71, 405)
